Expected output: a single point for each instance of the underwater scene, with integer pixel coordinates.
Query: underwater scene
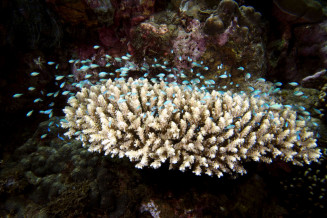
(177, 108)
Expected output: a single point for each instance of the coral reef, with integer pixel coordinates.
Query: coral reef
(189, 44)
(296, 45)
(210, 133)
(236, 36)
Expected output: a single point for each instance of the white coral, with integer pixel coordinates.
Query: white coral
(155, 123)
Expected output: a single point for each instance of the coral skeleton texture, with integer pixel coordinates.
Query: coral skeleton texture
(207, 132)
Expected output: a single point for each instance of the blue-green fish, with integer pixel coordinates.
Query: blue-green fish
(94, 66)
(103, 74)
(34, 73)
(247, 76)
(29, 113)
(293, 84)
(62, 84)
(65, 92)
(84, 68)
(37, 100)
(17, 95)
(59, 77)
(276, 106)
(298, 93)
(223, 76)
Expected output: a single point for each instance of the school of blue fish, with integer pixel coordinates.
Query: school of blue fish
(119, 68)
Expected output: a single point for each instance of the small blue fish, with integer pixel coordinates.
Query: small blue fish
(43, 136)
(301, 108)
(171, 75)
(293, 84)
(29, 113)
(210, 82)
(261, 80)
(161, 75)
(117, 59)
(206, 68)
(278, 84)
(182, 75)
(288, 106)
(59, 77)
(61, 137)
(37, 100)
(65, 92)
(247, 76)
(230, 127)
(56, 94)
(256, 92)
(51, 63)
(223, 76)
(47, 111)
(96, 46)
(196, 81)
(77, 133)
(276, 90)
(57, 66)
(62, 85)
(276, 106)
(84, 68)
(241, 68)
(306, 113)
(17, 95)
(167, 102)
(34, 73)
(317, 111)
(298, 93)
(50, 94)
(194, 64)
(31, 88)
(94, 66)
(88, 76)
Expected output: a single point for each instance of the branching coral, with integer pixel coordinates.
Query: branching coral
(212, 133)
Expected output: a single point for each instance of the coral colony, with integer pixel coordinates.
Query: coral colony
(154, 113)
